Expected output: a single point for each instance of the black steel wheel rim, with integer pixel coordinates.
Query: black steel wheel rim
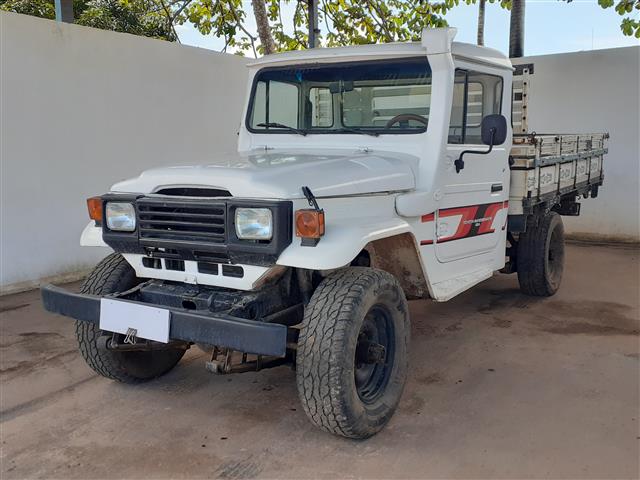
(374, 356)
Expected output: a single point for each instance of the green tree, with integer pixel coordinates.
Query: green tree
(343, 22)
(630, 10)
(149, 18)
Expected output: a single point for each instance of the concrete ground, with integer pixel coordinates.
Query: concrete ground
(502, 386)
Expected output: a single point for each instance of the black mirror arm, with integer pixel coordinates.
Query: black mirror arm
(459, 163)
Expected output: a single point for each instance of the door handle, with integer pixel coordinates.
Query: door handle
(496, 187)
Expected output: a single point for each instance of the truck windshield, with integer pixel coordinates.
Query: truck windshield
(376, 97)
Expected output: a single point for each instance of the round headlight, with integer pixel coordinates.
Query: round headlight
(254, 223)
(120, 216)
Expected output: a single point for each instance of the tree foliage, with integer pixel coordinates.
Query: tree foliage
(139, 17)
(342, 22)
(628, 9)
(265, 26)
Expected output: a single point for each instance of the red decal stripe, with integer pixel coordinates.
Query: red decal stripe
(506, 217)
(467, 213)
(476, 220)
(490, 213)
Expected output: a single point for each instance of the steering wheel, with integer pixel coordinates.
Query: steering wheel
(405, 117)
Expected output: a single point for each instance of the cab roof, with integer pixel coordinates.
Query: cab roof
(463, 51)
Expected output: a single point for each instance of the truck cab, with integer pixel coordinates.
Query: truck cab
(365, 176)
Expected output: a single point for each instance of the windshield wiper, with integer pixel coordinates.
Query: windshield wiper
(282, 125)
(358, 131)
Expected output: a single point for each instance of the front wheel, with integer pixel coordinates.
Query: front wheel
(352, 356)
(113, 274)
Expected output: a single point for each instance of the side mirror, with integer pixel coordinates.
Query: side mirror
(493, 131)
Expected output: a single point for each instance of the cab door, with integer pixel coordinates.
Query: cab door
(472, 215)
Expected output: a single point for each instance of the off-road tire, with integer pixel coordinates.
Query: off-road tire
(540, 257)
(326, 356)
(114, 274)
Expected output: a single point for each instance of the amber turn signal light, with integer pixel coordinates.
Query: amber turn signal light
(309, 223)
(94, 204)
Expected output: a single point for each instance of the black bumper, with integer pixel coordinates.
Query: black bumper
(214, 329)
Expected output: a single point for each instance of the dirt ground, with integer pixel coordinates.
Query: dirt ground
(502, 385)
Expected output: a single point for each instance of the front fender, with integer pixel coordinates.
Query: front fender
(349, 228)
(92, 236)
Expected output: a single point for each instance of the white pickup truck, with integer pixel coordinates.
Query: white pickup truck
(365, 176)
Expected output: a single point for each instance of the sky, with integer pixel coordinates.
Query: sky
(551, 26)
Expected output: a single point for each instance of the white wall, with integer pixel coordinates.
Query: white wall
(84, 108)
(595, 91)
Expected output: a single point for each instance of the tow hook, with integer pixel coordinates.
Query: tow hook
(131, 344)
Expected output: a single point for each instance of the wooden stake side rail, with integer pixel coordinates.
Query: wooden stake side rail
(547, 167)
(534, 149)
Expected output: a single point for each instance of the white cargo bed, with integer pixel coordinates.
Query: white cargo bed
(547, 167)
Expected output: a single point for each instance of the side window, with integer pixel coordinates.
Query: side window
(275, 102)
(475, 95)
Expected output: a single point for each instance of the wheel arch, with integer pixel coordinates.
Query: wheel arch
(399, 256)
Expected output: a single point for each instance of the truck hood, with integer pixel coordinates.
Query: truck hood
(281, 174)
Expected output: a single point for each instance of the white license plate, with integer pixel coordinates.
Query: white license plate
(148, 322)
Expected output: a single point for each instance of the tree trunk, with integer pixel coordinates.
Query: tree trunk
(64, 10)
(264, 30)
(481, 7)
(516, 31)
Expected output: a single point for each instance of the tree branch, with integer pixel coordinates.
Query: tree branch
(170, 20)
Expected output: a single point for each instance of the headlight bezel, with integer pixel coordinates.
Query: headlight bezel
(128, 211)
(262, 251)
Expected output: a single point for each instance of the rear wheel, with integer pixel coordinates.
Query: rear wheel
(352, 356)
(540, 258)
(113, 274)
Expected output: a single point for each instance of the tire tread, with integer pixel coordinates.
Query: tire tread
(324, 331)
(109, 276)
(532, 246)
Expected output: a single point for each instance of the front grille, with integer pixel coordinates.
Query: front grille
(185, 221)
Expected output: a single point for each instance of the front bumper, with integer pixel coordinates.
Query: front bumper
(218, 329)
